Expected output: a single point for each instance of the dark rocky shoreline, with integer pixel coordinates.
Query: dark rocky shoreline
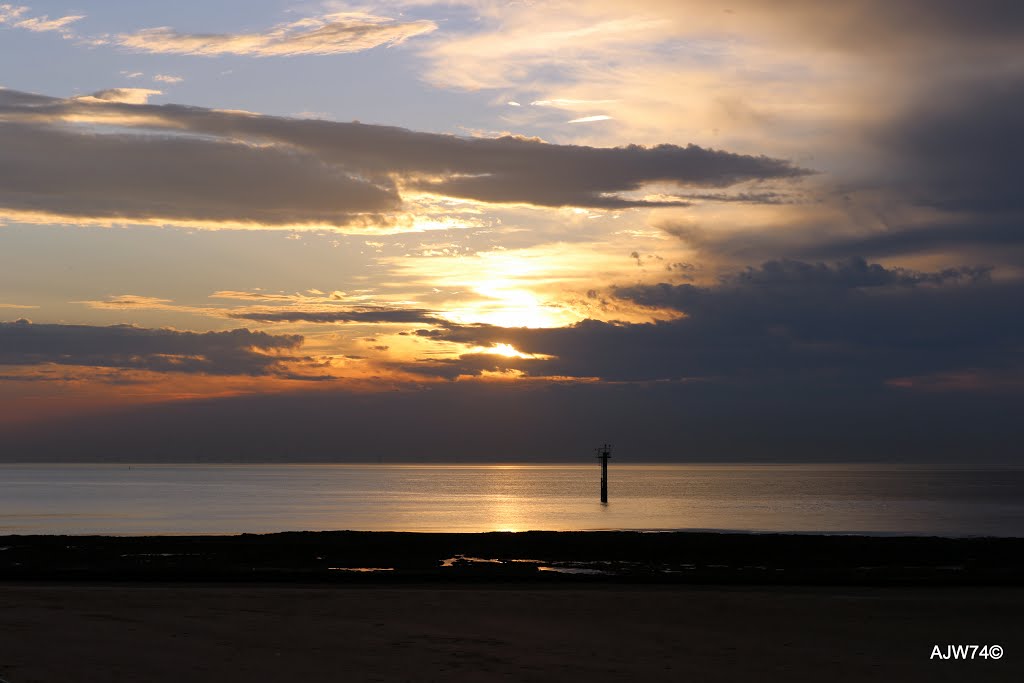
(543, 557)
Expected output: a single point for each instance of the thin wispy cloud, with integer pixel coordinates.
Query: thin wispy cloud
(330, 34)
(44, 23)
(364, 314)
(128, 301)
(569, 104)
(591, 119)
(17, 16)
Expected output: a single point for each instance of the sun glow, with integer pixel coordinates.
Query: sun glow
(505, 306)
(545, 286)
(508, 351)
(506, 302)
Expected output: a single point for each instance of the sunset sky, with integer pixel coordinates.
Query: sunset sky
(748, 230)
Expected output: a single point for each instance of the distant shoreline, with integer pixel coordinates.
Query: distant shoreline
(534, 556)
(727, 532)
(886, 464)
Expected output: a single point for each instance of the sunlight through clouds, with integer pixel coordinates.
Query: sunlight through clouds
(719, 211)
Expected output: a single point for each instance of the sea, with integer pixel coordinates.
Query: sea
(157, 499)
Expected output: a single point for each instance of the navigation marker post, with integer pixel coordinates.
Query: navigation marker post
(604, 452)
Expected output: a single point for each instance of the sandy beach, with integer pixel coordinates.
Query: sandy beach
(106, 633)
(536, 606)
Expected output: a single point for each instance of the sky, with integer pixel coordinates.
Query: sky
(469, 230)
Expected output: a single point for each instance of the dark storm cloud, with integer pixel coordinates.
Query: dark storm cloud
(883, 26)
(959, 151)
(238, 166)
(851, 274)
(1001, 237)
(236, 352)
(951, 178)
(847, 323)
(961, 147)
(362, 315)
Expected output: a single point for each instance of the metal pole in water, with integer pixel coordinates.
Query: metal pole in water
(604, 452)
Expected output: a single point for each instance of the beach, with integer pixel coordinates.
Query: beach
(536, 606)
(538, 556)
(157, 633)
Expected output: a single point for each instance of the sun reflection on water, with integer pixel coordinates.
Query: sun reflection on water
(505, 513)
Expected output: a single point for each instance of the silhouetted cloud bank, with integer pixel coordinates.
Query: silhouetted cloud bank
(238, 167)
(236, 352)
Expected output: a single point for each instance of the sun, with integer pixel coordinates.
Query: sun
(504, 306)
(508, 351)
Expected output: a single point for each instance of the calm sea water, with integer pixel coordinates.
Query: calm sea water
(213, 499)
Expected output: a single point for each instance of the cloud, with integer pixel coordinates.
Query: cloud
(854, 273)
(945, 177)
(511, 170)
(127, 301)
(121, 95)
(960, 147)
(121, 177)
(10, 13)
(44, 23)
(591, 119)
(194, 164)
(796, 78)
(996, 238)
(331, 34)
(364, 314)
(15, 15)
(166, 78)
(517, 41)
(568, 103)
(236, 352)
(258, 295)
(830, 325)
(875, 25)
(941, 184)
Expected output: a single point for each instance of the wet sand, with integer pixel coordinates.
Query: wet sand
(86, 633)
(630, 557)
